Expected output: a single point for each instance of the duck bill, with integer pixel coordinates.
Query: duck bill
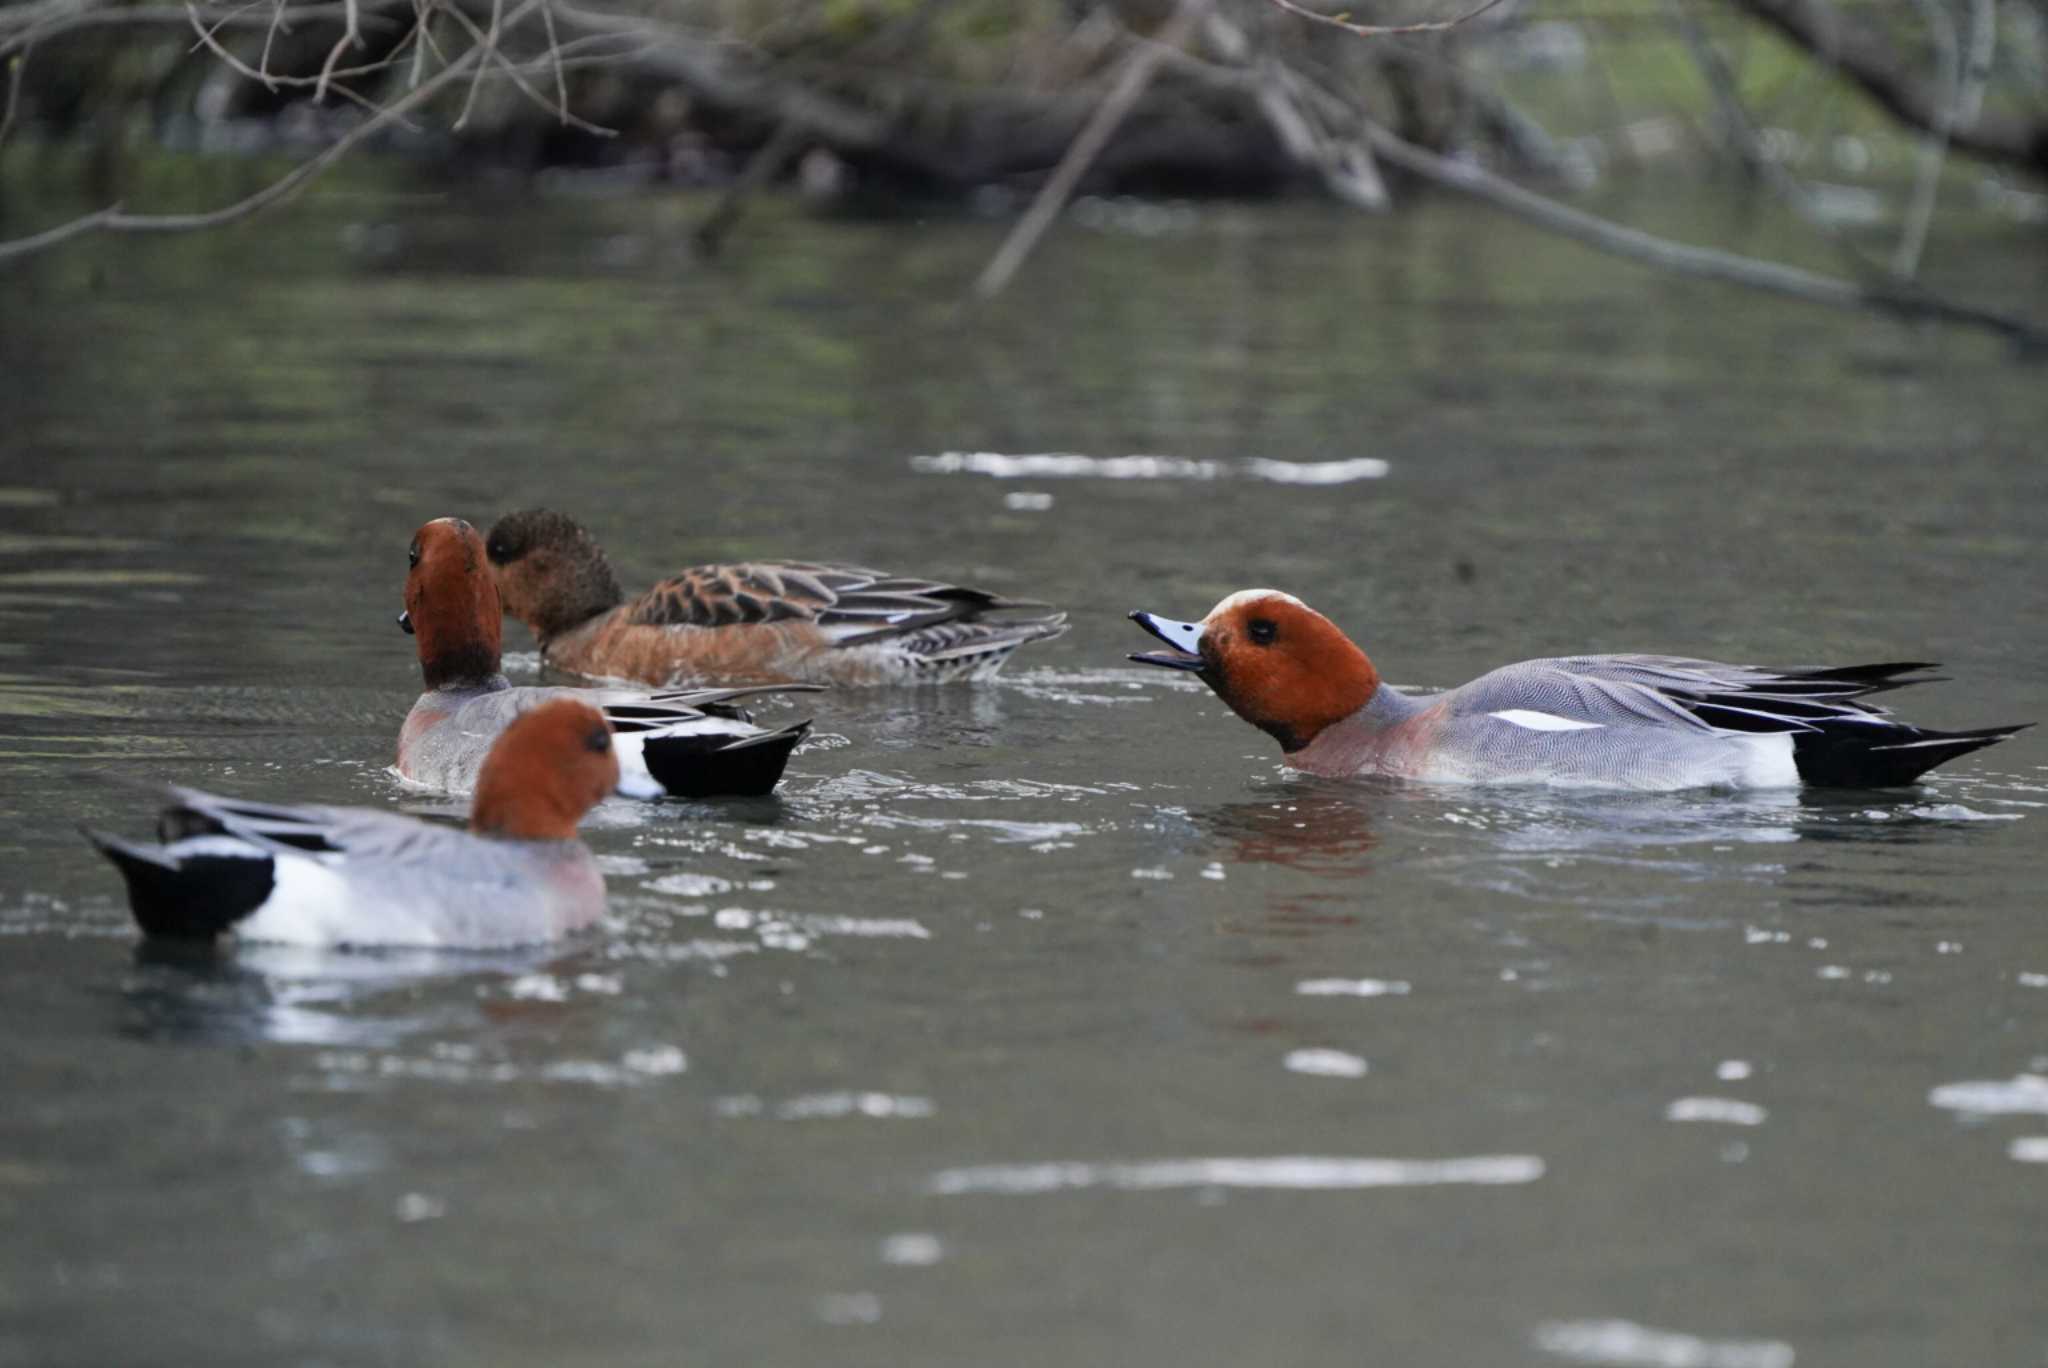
(1183, 641)
(405, 622)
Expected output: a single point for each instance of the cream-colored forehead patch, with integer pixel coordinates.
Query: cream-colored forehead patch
(1244, 596)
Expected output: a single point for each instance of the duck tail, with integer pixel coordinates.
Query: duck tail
(718, 766)
(1883, 755)
(192, 889)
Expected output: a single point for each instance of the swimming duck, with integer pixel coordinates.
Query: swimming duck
(1647, 722)
(340, 876)
(759, 622)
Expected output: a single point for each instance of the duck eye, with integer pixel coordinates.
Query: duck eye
(1262, 631)
(599, 740)
(496, 549)
(412, 555)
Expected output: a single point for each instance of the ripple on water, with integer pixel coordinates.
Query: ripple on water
(1301, 1172)
(1628, 1345)
(2021, 1095)
(828, 1106)
(1727, 1111)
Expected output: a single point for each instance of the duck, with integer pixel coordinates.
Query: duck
(690, 744)
(342, 877)
(760, 622)
(1637, 722)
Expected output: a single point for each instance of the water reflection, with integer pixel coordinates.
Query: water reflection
(1316, 828)
(241, 995)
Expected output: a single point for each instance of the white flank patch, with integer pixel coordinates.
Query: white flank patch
(1629, 1345)
(310, 905)
(635, 779)
(1726, 1110)
(1304, 1173)
(1543, 721)
(1770, 761)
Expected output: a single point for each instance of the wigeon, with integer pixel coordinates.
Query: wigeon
(690, 745)
(1606, 721)
(760, 622)
(330, 876)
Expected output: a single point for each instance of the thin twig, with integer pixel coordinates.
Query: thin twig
(519, 79)
(112, 220)
(351, 35)
(73, 19)
(1137, 74)
(1941, 29)
(1740, 131)
(212, 45)
(15, 66)
(489, 43)
(270, 37)
(768, 159)
(547, 17)
(1343, 21)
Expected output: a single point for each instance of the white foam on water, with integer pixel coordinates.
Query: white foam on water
(1073, 465)
(1326, 1063)
(1365, 987)
(1306, 1173)
(2028, 1149)
(1727, 1111)
(1628, 1345)
(2020, 1095)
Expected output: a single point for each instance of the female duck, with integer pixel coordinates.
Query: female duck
(328, 876)
(689, 745)
(761, 622)
(1604, 721)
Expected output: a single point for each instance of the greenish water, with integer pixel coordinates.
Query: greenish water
(1045, 1022)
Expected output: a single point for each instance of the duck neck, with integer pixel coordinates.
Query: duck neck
(589, 590)
(1385, 709)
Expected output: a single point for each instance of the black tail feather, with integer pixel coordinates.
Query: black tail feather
(718, 766)
(1871, 679)
(187, 896)
(1867, 755)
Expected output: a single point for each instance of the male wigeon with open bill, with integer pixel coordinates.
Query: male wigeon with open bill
(760, 622)
(1645, 722)
(336, 876)
(689, 745)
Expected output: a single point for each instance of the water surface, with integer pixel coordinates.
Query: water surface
(1049, 1021)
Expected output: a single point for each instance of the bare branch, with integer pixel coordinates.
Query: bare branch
(112, 220)
(1897, 298)
(71, 18)
(212, 45)
(1343, 21)
(1867, 60)
(547, 17)
(1137, 73)
(15, 65)
(270, 37)
(351, 36)
(489, 43)
(519, 78)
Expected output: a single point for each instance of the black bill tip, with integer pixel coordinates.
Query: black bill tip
(1170, 659)
(405, 623)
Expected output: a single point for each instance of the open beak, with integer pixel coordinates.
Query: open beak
(1183, 641)
(405, 623)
